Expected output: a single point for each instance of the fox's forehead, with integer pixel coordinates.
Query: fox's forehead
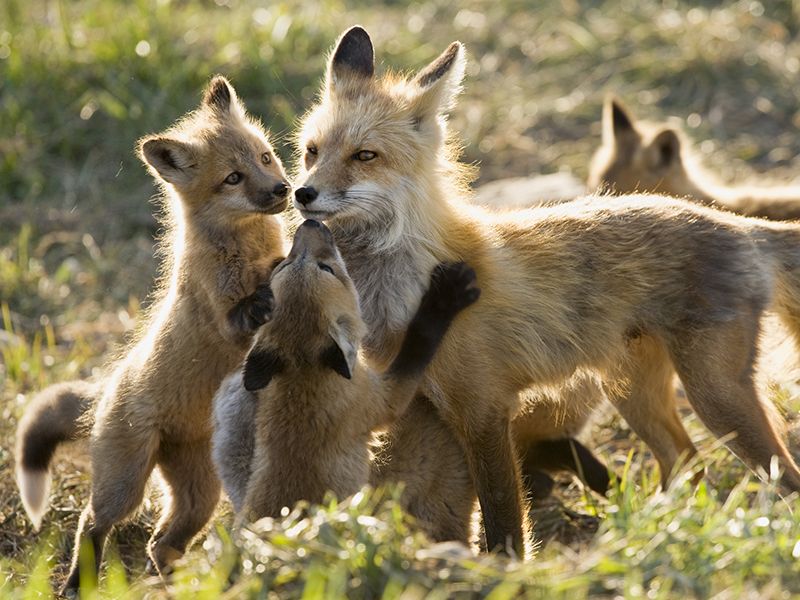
(236, 140)
(355, 121)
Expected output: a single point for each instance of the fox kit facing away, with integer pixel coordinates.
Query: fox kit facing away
(222, 184)
(638, 156)
(632, 287)
(317, 401)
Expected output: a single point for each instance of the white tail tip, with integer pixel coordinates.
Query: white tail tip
(34, 488)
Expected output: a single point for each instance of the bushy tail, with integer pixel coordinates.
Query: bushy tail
(53, 416)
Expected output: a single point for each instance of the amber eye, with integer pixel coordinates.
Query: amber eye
(312, 150)
(364, 155)
(266, 158)
(233, 178)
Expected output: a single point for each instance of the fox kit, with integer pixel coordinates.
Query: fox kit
(630, 287)
(317, 402)
(420, 450)
(645, 157)
(222, 185)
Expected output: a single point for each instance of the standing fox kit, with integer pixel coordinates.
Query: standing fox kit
(645, 157)
(631, 287)
(317, 402)
(222, 185)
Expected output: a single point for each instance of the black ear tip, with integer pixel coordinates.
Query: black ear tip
(357, 32)
(617, 109)
(355, 51)
(250, 380)
(218, 92)
(620, 117)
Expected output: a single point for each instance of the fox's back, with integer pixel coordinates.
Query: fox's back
(595, 273)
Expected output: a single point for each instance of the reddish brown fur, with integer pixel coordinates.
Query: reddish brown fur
(580, 285)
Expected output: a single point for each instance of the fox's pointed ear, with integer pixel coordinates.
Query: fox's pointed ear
(260, 366)
(353, 58)
(617, 120)
(220, 96)
(439, 83)
(665, 149)
(342, 353)
(169, 159)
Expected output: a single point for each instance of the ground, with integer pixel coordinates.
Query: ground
(81, 81)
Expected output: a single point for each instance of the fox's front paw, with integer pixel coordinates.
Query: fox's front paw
(253, 311)
(454, 286)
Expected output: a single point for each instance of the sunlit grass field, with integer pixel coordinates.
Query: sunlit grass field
(81, 81)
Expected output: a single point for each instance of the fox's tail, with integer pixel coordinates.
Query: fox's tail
(53, 416)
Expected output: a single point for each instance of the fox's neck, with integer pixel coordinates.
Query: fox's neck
(391, 263)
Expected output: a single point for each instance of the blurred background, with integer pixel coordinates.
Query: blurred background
(82, 80)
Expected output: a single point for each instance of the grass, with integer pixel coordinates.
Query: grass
(81, 81)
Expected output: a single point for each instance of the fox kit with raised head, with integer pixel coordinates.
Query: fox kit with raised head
(632, 287)
(638, 156)
(317, 402)
(222, 185)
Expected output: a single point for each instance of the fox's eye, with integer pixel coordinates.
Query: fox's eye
(266, 158)
(325, 267)
(312, 150)
(364, 155)
(233, 178)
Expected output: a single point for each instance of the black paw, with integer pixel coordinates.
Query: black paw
(252, 312)
(454, 286)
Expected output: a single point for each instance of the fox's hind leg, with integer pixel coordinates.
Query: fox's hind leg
(643, 393)
(122, 460)
(194, 491)
(716, 367)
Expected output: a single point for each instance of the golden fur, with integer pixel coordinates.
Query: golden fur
(631, 287)
(317, 403)
(156, 401)
(637, 156)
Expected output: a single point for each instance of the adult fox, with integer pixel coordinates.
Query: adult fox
(632, 287)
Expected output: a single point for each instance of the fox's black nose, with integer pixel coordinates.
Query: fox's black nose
(280, 190)
(311, 223)
(305, 194)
